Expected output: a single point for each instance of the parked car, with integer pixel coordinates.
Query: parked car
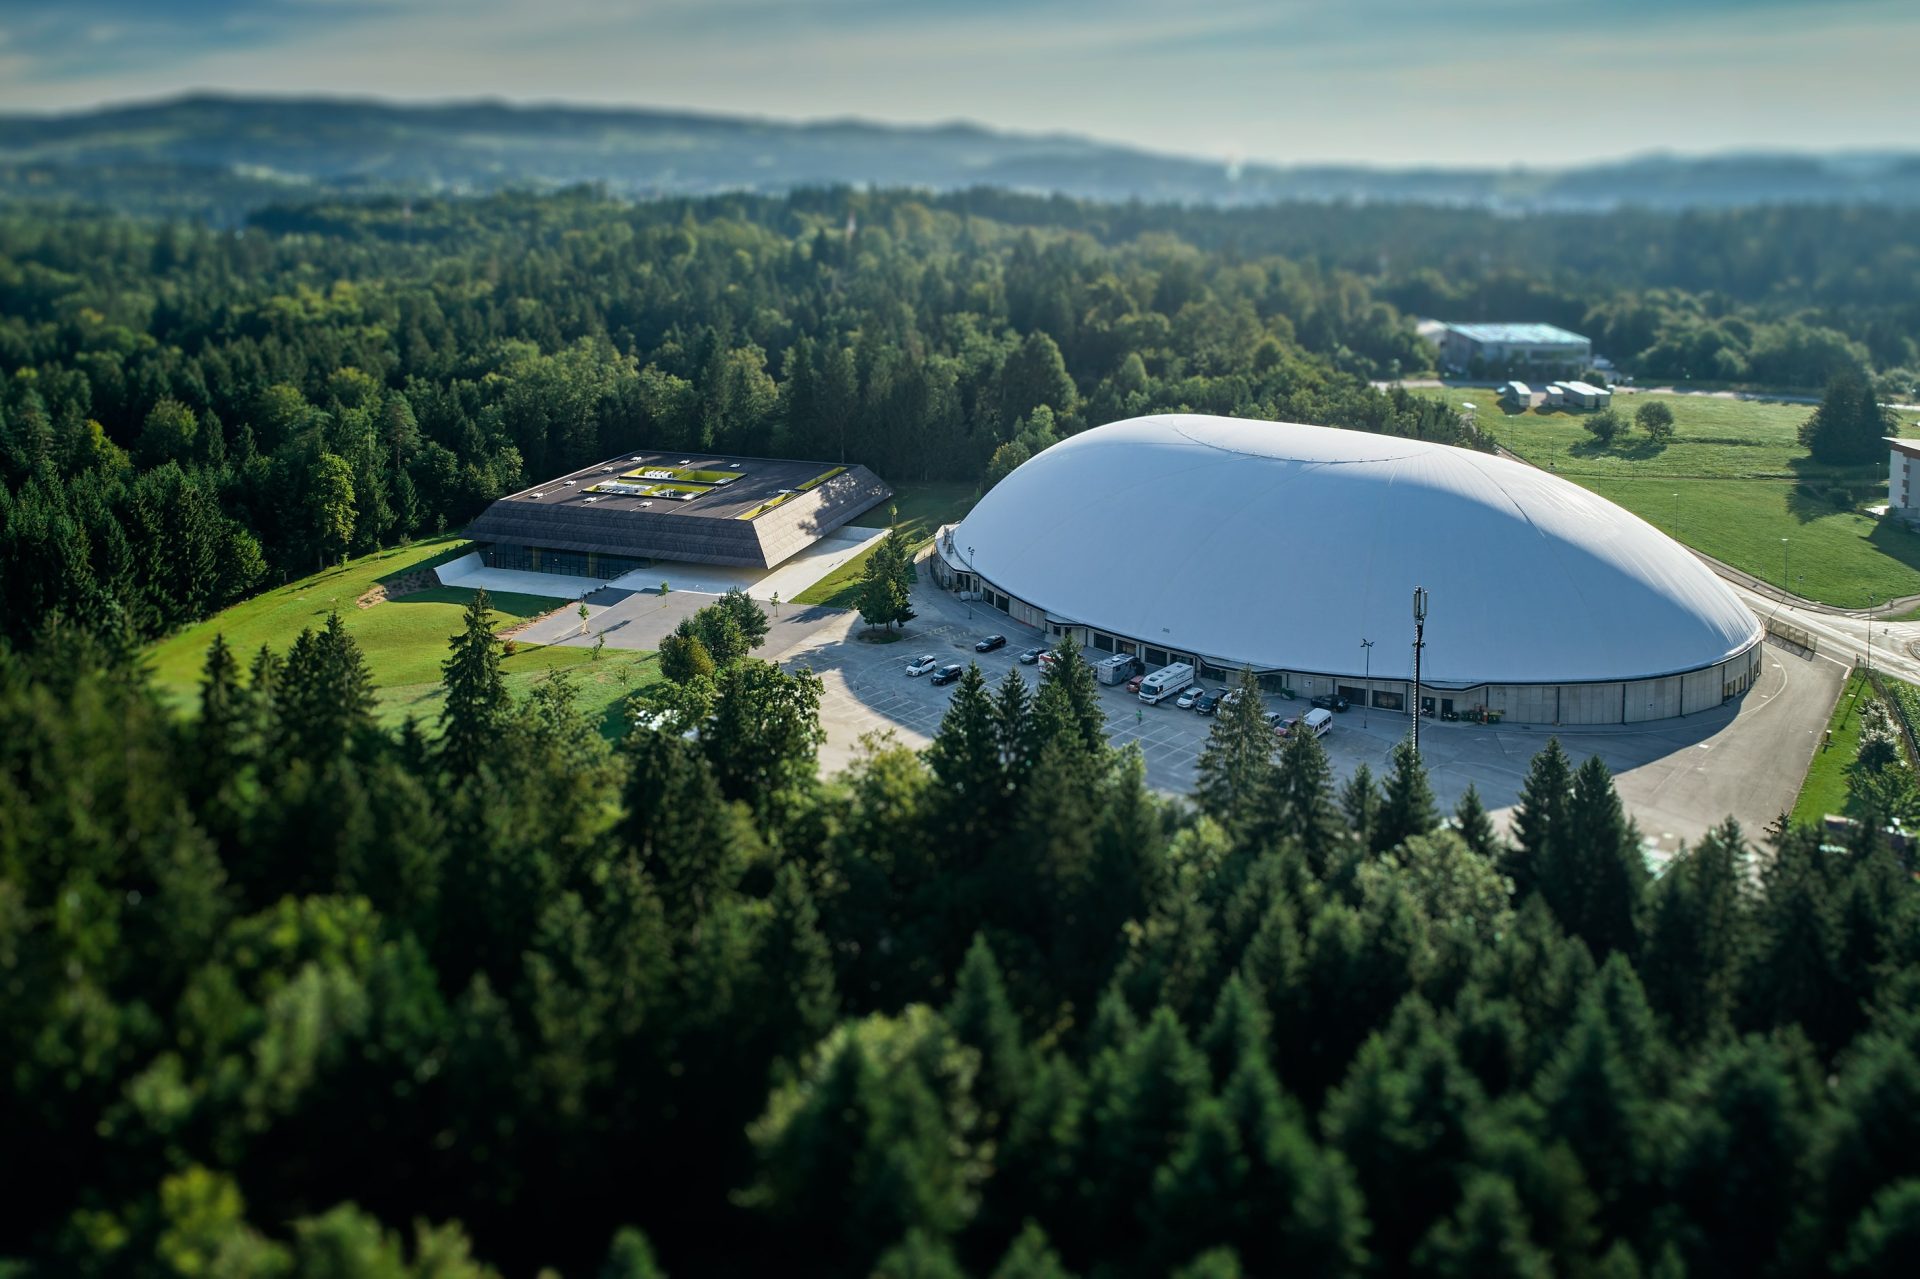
(1133, 685)
(1207, 703)
(1229, 697)
(990, 643)
(1329, 702)
(1031, 656)
(923, 665)
(1282, 724)
(948, 673)
(1189, 695)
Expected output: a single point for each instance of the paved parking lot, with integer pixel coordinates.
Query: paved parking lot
(1678, 777)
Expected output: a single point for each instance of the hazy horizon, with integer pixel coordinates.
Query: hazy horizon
(1482, 83)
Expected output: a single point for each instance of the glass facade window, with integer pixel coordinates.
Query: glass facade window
(1157, 657)
(1388, 701)
(535, 559)
(1103, 642)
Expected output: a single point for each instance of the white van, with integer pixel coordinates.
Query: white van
(1318, 722)
(1165, 682)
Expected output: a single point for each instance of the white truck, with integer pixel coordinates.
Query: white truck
(1165, 682)
(1117, 669)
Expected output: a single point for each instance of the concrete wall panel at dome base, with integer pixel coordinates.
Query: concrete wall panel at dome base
(1570, 704)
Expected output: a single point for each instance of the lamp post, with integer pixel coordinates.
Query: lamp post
(1419, 642)
(1366, 647)
(1785, 581)
(1870, 595)
(974, 574)
(1676, 515)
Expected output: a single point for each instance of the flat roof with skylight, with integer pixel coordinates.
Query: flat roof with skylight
(702, 508)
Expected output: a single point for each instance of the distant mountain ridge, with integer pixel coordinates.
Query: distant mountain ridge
(234, 153)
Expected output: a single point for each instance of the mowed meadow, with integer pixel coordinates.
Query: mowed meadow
(404, 639)
(1734, 483)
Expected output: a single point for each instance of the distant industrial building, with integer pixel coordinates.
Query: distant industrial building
(1542, 350)
(632, 511)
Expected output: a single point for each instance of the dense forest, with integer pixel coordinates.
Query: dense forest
(188, 413)
(287, 995)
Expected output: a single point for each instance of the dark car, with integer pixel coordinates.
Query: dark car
(1207, 703)
(1031, 656)
(947, 674)
(1330, 702)
(990, 643)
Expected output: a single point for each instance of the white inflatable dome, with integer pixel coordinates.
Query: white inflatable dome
(1283, 546)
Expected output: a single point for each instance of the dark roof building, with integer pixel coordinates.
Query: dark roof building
(621, 514)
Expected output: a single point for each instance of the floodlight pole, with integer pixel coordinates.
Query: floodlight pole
(1419, 642)
(1870, 595)
(1366, 647)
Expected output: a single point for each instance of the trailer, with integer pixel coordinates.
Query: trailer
(1117, 669)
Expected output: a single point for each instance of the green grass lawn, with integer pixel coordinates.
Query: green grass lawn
(923, 509)
(1825, 790)
(1732, 483)
(404, 639)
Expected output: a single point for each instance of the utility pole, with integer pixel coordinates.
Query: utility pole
(1870, 596)
(1419, 642)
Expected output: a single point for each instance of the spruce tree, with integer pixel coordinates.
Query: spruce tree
(1475, 825)
(1540, 818)
(1013, 727)
(1487, 1237)
(220, 732)
(1030, 1257)
(1233, 780)
(1300, 801)
(1699, 934)
(1407, 808)
(1360, 804)
(800, 1002)
(984, 1020)
(476, 707)
(1068, 704)
(1594, 875)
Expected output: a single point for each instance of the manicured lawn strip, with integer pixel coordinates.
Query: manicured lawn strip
(404, 640)
(1729, 485)
(1825, 790)
(600, 687)
(1839, 558)
(923, 509)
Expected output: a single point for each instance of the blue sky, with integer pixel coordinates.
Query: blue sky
(1537, 82)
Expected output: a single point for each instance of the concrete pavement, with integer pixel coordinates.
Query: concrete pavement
(1678, 778)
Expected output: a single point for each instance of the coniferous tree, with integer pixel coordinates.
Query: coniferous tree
(1068, 704)
(1360, 803)
(1699, 935)
(1232, 780)
(1594, 876)
(1300, 801)
(1474, 825)
(983, 1019)
(1014, 728)
(801, 1002)
(1488, 1235)
(220, 734)
(1407, 807)
(476, 707)
(1540, 818)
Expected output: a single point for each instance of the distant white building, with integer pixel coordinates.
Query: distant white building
(1903, 493)
(1542, 350)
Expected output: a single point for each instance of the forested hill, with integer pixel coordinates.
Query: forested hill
(220, 156)
(188, 413)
